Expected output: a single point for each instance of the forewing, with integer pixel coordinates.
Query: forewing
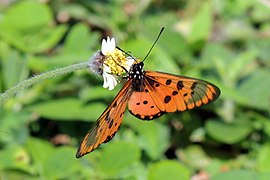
(169, 93)
(107, 124)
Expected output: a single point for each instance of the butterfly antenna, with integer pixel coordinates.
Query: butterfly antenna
(162, 29)
(128, 54)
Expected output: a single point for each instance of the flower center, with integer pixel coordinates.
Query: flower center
(116, 60)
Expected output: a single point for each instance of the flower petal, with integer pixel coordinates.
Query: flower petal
(112, 45)
(109, 80)
(107, 46)
(129, 62)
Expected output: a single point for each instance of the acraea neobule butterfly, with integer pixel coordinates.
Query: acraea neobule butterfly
(148, 95)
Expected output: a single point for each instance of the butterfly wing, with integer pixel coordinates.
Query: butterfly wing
(107, 124)
(169, 93)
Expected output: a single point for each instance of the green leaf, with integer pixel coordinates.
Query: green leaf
(27, 12)
(13, 127)
(117, 157)
(67, 109)
(169, 170)
(170, 41)
(194, 156)
(261, 46)
(46, 40)
(30, 33)
(75, 10)
(239, 30)
(236, 174)
(16, 174)
(15, 157)
(201, 24)
(260, 12)
(153, 137)
(239, 63)
(229, 133)
(255, 88)
(14, 69)
(264, 175)
(39, 149)
(97, 92)
(237, 8)
(79, 39)
(61, 163)
(263, 162)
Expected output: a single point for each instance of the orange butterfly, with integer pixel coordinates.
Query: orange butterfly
(149, 94)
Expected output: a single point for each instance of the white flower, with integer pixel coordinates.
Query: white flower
(108, 46)
(110, 62)
(109, 79)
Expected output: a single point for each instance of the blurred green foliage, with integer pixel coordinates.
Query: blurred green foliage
(224, 42)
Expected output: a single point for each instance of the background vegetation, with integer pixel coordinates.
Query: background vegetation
(225, 42)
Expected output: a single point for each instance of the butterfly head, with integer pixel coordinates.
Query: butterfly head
(136, 71)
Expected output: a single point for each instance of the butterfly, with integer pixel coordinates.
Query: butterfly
(148, 95)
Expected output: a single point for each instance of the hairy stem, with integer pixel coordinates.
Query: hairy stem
(35, 79)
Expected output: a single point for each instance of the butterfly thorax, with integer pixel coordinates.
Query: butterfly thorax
(136, 74)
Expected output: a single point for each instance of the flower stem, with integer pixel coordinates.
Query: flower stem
(35, 79)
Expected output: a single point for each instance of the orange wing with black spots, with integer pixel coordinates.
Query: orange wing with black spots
(149, 94)
(164, 93)
(107, 124)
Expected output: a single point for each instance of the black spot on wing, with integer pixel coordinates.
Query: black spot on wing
(168, 82)
(193, 85)
(167, 99)
(110, 124)
(111, 136)
(150, 81)
(174, 93)
(122, 114)
(100, 130)
(180, 85)
(107, 118)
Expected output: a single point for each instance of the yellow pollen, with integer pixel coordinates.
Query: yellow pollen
(116, 61)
